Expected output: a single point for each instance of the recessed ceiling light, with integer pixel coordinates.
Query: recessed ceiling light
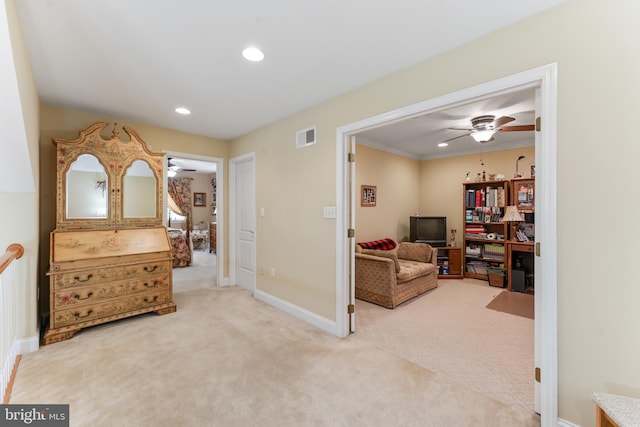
(253, 54)
(182, 110)
(443, 144)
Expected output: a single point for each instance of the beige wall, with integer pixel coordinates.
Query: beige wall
(397, 180)
(595, 46)
(201, 184)
(428, 187)
(66, 123)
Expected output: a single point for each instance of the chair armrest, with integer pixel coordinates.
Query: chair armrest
(371, 266)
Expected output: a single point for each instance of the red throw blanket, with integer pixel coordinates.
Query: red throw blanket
(380, 245)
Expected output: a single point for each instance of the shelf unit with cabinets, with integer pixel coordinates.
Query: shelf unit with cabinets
(483, 241)
(520, 254)
(449, 263)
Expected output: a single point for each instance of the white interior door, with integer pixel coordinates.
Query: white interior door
(537, 268)
(351, 176)
(245, 216)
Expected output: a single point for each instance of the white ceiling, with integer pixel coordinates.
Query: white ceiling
(418, 137)
(140, 59)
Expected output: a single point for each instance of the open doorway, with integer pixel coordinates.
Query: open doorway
(545, 80)
(193, 215)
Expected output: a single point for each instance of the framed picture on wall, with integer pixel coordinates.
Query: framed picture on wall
(199, 199)
(368, 195)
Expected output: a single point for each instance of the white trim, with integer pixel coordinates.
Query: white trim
(565, 423)
(28, 345)
(220, 203)
(233, 235)
(297, 311)
(544, 77)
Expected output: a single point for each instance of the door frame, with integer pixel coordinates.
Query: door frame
(220, 202)
(233, 225)
(546, 79)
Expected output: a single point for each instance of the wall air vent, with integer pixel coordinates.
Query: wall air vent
(306, 137)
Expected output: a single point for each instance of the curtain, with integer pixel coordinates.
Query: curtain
(172, 205)
(179, 190)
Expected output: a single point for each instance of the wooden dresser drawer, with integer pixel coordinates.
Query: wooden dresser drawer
(87, 313)
(109, 274)
(94, 294)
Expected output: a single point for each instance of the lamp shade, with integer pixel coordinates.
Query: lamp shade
(512, 214)
(483, 135)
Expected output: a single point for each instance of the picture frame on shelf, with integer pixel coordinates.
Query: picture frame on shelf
(199, 199)
(368, 195)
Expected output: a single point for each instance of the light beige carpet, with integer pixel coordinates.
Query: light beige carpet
(226, 359)
(200, 274)
(450, 331)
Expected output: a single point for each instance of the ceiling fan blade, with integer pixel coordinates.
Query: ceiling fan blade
(468, 130)
(456, 137)
(502, 121)
(520, 128)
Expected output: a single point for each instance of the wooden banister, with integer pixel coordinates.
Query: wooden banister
(14, 251)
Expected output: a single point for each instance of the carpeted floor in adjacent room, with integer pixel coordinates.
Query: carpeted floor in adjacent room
(451, 331)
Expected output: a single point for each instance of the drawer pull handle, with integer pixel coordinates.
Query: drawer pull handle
(89, 295)
(86, 315)
(153, 285)
(148, 300)
(150, 269)
(78, 279)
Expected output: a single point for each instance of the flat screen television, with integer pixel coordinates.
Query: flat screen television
(428, 229)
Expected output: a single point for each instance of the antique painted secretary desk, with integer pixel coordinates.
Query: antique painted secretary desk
(110, 256)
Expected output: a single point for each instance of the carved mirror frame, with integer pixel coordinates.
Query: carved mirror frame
(116, 156)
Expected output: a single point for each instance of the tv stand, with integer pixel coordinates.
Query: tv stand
(453, 258)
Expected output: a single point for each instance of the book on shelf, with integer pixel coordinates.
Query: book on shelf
(492, 250)
(470, 199)
(468, 215)
(500, 197)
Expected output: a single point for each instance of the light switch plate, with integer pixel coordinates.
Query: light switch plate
(329, 212)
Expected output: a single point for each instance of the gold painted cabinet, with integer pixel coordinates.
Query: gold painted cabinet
(110, 256)
(103, 275)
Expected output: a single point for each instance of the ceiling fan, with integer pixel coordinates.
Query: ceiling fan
(174, 168)
(483, 128)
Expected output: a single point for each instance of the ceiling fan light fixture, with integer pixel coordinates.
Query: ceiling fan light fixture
(483, 135)
(443, 144)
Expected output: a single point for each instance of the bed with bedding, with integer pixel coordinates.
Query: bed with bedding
(180, 247)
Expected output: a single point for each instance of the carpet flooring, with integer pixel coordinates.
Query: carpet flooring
(449, 330)
(515, 303)
(200, 274)
(226, 359)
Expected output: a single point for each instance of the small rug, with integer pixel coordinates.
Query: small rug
(513, 303)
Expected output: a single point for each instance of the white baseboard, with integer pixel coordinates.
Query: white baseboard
(28, 345)
(301, 313)
(565, 423)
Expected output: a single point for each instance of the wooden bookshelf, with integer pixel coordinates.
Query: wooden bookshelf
(484, 235)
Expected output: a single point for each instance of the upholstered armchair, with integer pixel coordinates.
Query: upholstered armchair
(389, 278)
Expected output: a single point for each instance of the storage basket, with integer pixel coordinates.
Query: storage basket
(497, 276)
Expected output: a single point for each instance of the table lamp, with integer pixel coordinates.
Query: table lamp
(512, 215)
